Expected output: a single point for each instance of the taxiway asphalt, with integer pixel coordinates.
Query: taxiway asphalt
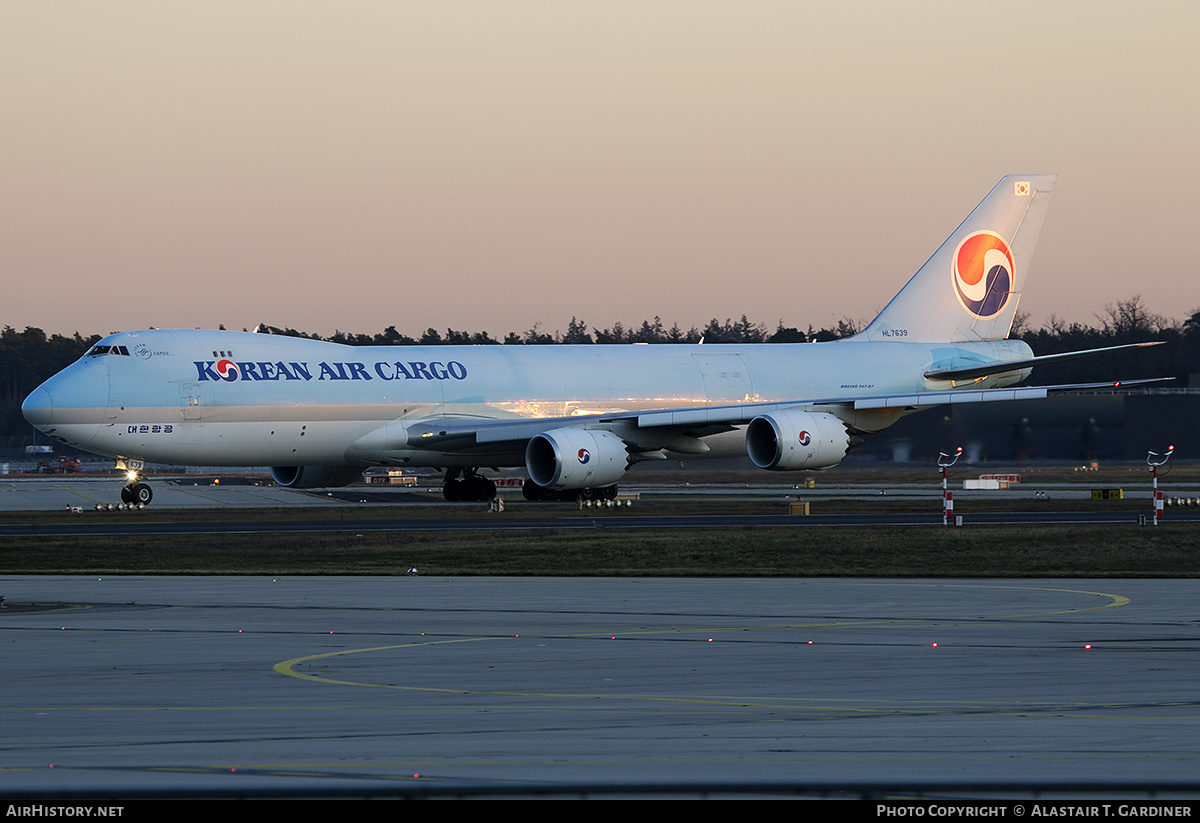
(84, 494)
(241, 684)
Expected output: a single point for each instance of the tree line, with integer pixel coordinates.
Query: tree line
(578, 333)
(31, 356)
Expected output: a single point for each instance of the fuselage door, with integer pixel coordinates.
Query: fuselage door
(193, 401)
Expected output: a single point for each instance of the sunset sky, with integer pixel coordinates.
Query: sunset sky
(495, 165)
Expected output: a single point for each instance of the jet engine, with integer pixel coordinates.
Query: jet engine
(576, 458)
(315, 477)
(790, 440)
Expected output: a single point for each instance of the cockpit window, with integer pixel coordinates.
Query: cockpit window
(96, 351)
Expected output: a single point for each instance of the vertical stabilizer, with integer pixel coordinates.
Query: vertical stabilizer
(970, 288)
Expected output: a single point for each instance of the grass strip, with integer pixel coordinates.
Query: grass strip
(969, 551)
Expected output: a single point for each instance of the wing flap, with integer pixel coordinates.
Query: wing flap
(912, 401)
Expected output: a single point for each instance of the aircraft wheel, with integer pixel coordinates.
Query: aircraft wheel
(532, 491)
(126, 494)
(143, 494)
(480, 488)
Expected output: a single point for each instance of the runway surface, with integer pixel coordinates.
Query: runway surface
(62, 492)
(239, 684)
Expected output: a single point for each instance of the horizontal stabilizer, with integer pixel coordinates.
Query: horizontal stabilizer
(1006, 366)
(943, 398)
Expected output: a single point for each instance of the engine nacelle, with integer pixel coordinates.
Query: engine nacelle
(790, 440)
(576, 459)
(315, 477)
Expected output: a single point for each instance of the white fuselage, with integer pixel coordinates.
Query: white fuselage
(238, 399)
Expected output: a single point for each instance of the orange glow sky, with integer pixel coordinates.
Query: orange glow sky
(492, 165)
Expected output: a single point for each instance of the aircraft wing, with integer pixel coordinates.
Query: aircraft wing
(449, 433)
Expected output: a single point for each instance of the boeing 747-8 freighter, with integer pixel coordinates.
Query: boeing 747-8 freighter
(576, 418)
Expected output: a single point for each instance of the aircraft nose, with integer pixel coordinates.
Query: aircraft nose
(71, 404)
(38, 408)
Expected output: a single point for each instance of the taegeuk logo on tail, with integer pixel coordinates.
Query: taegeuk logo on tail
(983, 273)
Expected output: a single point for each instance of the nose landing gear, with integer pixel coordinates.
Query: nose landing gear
(135, 492)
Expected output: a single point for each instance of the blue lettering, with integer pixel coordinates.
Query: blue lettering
(204, 370)
(263, 370)
(339, 374)
(416, 370)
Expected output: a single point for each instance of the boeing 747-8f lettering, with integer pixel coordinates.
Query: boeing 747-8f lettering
(575, 418)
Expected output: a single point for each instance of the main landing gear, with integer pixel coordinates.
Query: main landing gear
(465, 485)
(135, 492)
(470, 486)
